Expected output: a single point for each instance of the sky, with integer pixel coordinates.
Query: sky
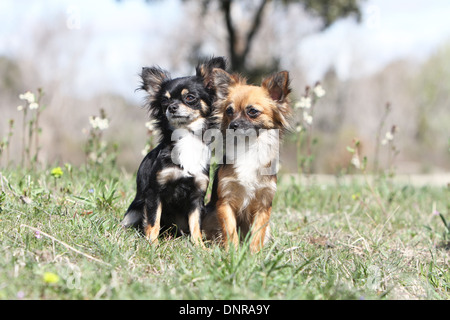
(119, 33)
(411, 29)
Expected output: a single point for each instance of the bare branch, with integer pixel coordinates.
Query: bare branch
(254, 29)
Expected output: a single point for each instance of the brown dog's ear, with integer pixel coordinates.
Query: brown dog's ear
(204, 70)
(278, 86)
(222, 80)
(152, 78)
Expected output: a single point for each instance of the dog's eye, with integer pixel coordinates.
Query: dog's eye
(190, 99)
(253, 113)
(164, 100)
(229, 111)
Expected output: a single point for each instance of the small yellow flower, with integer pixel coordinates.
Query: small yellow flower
(50, 277)
(57, 172)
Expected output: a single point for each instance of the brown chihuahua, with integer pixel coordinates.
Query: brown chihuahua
(252, 120)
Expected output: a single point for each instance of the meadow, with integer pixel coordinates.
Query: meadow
(372, 238)
(60, 239)
(69, 151)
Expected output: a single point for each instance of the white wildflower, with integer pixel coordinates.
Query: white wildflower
(307, 118)
(19, 108)
(99, 123)
(145, 150)
(319, 91)
(92, 156)
(303, 103)
(93, 121)
(298, 128)
(355, 161)
(150, 125)
(103, 124)
(34, 105)
(28, 96)
(389, 136)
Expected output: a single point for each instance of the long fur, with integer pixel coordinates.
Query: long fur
(243, 190)
(172, 178)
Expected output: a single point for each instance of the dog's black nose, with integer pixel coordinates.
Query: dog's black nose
(173, 108)
(234, 125)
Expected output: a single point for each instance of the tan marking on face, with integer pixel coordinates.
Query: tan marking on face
(243, 96)
(184, 92)
(204, 106)
(167, 95)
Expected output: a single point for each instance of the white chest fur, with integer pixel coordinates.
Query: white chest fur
(259, 158)
(190, 153)
(252, 164)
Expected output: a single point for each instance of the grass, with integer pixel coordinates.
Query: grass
(60, 239)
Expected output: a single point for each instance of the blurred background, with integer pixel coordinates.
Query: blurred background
(384, 66)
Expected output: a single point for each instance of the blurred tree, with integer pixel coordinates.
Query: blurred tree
(328, 11)
(431, 87)
(239, 45)
(10, 78)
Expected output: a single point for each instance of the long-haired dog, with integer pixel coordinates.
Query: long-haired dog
(253, 119)
(173, 178)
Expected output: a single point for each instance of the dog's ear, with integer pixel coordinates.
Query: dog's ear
(152, 78)
(205, 68)
(222, 80)
(278, 86)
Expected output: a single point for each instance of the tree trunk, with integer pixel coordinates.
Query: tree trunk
(238, 59)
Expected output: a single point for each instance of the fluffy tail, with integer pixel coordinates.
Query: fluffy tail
(134, 215)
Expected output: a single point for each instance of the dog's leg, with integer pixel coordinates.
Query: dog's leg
(227, 221)
(258, 229)
(210, 225)
(194, 227)
(152, 221)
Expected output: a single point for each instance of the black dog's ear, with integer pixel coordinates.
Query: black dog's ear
(152, 78)
(205, 68)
